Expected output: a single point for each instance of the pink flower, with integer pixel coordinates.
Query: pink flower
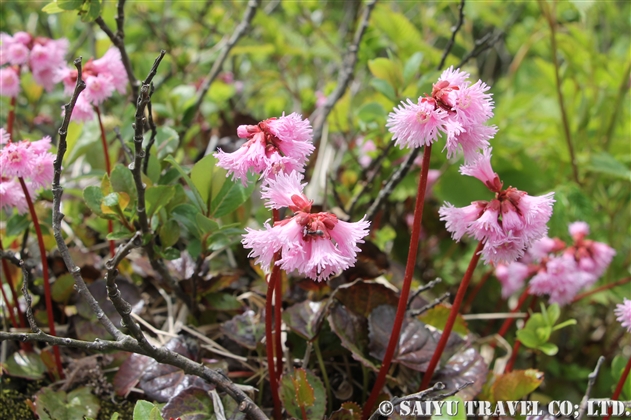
(16, 159)
(365, 147)
(98, 88)
(471, 139)
(623, 314)
(12, 196)
(472, 105)
(506, 225)
(4, 136)
(420, 124)
(578, 230)
(46, 77)
(512, 277)
(40, 146)
(82, 111)
(276, 145)
(317, 245)
(22, 37)
(561, 280)
(112, 65)
(592, 257)
(17, 53)
(454, 77)
(9, 82)
(42, 172)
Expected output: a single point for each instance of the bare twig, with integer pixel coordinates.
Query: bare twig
(431, 305)
(239, 31)
(454, 31)
(391, 184)
(591, 381)
(144, 97)
(118, 39)
(423, 288)
(126, 148)
(10, 256)
(413, 397)
(549, 16)
(346, 73)
(27, 297)
(154, 131)
(82, 288)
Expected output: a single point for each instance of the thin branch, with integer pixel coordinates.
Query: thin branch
(423, 288)
(431, 305)
(454, 32)
(346, 74)
(391, 184)
(82, 288)
(27, 297)
(557, 76)
(418, 396)
(126, 149)
(118, 41)
(591, 381)
(10, 256)
(154, 131)
(239, 31)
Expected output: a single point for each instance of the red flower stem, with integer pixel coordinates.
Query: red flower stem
(601, 288)
(451, 320)
(47, 294)
(108, 168)
(476, 290)
(621, 382)
(14, 295)
(517, 345)
(269, 339)
(509, 321)
(278, 307)
(11, 117)
(405, 290)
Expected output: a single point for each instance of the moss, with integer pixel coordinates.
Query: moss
(13, 406)
(125, 410)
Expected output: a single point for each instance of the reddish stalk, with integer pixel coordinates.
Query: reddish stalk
(278, 306)
(108, 168)
(405, 290)
(14, 295)
(451, 320)
(476, 290)
(6, 301)
(269, 339)
(621, 382)
(509, 321)
(11, 117)
(601, 288)
(517, 345)
(47, 294)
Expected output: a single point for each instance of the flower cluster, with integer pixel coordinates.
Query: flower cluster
(316, 245)
(508, 224)
(102, 77)
(42, 56)
(623, 314)
(455, 108)
(276, 145)
(31, 161)
(558, 271)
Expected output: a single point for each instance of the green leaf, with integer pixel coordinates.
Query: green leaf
(208, 178)
(384, 88)
(386, 69)
(515, 385)
(69, 4)
(17, 224)
(122, 180)
(303, 391)
(554, 312)
(606, 164)
(52, 7)
(205, 224)
(564, 324)
(92, 10)
(93, 197)
(549, 349)
(166, 142)
(528, 338)
(437, 317)
(121, 234)
(157, 197)
(231, 196)
(617, 368)
(25, 365)
(62, 288)
(199, 202)
(169, 233)
(110, 200)
(144, 410)
(76, 404)
(371, 111)
(186, 214)
(460, 414)
(412, 66)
